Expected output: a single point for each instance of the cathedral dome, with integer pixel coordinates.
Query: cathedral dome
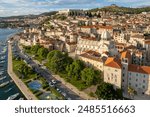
(105, 35)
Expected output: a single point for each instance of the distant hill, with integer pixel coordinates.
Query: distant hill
(118, 9)
(49, 13)
(30, 16)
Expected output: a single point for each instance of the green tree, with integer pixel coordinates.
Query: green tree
(56, 62)
(74, 70)
(106, 91)
(42, 53)
(24, 69)
(51, 54)
(35, 48)
(131, 92)
(90, 76)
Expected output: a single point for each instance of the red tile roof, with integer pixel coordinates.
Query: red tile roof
(126, 54)
(113, 62)
(139, 69)
(92, 55)
(97, 26)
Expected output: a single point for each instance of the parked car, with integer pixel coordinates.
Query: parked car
(51, 84)
(64, 94)
(54, 81)
(58, 90)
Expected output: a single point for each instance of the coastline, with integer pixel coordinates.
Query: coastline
(23, 88)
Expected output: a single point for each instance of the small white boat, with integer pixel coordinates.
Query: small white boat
(1, 73)
(2, 78)
(8, 90)
(1, 62)
(4, 84)
(12, 97)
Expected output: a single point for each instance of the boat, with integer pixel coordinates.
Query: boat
(21, 98)
(2, 78)
(4, 84)
(1, 73)
(2, 57)
(1, 62)
(1, 65)
(8, 90)
(12, 97)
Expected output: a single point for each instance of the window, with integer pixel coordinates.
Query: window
(130, 78)
(123, 75)
(123, 80)
(136, 80)
(143, 87)
(144, 76)
(129, 84)
(143, 81)
(136, 85)
(136, 74)
(123, 68)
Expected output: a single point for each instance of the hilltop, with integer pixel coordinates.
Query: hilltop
(119, 9)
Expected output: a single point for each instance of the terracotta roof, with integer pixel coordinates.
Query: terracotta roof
(88, 38)
(137, 36)
(92, 57)
(97, 26)
(126, 54)
(107, 53)
(94, 53)
(105, 27)
(71, 43)
(138, 53)
(113, 62)
(131, 47)
(91, 26)
(147, 42)
(139, 69)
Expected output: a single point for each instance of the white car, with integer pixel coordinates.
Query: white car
(51, 84)
(53, 81)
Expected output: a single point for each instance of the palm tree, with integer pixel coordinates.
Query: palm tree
(131, 92)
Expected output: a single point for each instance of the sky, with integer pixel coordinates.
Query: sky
(25, 7)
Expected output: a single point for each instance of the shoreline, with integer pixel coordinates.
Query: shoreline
(23, 88)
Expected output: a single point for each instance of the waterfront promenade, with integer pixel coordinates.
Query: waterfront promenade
(24, 89)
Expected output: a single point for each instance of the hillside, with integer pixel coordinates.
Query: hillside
(117, 9)
(30, 16)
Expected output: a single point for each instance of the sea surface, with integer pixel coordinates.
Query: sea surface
(11, 88)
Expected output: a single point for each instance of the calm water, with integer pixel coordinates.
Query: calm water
(11, 88)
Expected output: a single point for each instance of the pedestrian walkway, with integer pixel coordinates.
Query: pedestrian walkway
(24, 89)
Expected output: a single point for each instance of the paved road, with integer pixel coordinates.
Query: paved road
(24, 89)
(47, 75)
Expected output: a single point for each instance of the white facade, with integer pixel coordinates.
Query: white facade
(113, 76)
(140, 82)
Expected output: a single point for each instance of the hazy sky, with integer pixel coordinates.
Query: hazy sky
(22, 7)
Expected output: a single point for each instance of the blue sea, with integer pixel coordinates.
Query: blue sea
(10, 88)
